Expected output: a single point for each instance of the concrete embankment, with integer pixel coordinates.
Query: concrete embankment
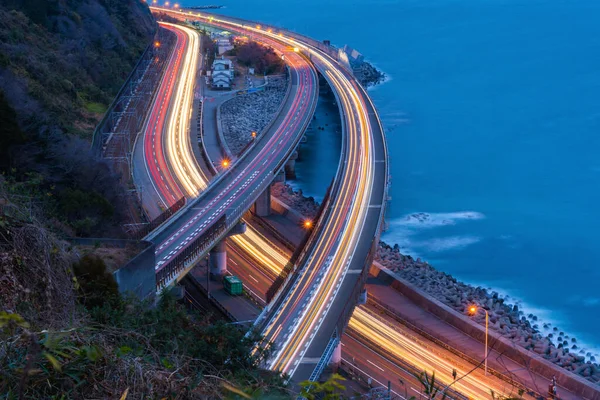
(526, 359)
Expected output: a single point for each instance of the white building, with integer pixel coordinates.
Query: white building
(222, 73)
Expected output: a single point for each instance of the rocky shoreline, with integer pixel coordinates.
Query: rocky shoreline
(368, 75)
(307, 206)
(505, 318)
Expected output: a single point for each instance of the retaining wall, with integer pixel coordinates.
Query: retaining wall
(530, 359)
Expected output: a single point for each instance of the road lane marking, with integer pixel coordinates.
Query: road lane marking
(375, 365)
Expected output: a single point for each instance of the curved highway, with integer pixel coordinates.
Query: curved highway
(165, 142)
(238, 186)
(304, 318)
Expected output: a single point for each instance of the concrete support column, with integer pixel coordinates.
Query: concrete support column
(280, 177)
(336, 357)
(262, 206)
(362, 298)
(218, 260)
(290, 166)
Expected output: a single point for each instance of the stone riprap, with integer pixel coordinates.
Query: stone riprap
(244, 114)
(367, 74)
(307, 206)
(505, 318)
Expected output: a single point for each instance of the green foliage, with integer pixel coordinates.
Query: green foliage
(10, 322)
(179, 357)
(430, 387)
(331, 389)
(263, 59)
(97, 108)
(96, 285)
(83, 210)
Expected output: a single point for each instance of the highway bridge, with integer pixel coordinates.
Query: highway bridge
(307, 317)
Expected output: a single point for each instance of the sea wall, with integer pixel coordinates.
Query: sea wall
(527, 358)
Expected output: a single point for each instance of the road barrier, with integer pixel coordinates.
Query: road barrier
(156, 222)
(290, 267)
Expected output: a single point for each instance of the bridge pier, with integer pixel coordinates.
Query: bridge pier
(218, 254)
(218, 259)
(262, 205)
(362, 298)
(290, 166)
(336, 357)
(280, 177)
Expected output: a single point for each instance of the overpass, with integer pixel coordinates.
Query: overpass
(207, 218)
(377, 325)
(305, 320)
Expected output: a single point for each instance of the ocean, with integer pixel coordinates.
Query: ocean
(492, 114)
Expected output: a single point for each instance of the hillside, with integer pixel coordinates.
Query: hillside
(65, 331)
(61, 64)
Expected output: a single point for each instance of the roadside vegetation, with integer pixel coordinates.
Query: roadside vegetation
(253, 55)
(61, 64)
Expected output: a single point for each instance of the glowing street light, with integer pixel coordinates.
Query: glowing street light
(176, 5)
(156, 44)
(166, 4)
(225, 163)
(308, 224)
(253, 135)
(296, 49)
(473, 311)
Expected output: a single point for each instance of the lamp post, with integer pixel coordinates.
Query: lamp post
(473, 310)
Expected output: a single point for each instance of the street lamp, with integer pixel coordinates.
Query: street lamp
(253, 135)
(225, 163)
(473, 311)
(308, 224)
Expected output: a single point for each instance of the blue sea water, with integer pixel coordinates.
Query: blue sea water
(492, 112)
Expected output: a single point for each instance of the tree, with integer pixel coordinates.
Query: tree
(96, 284)
(331, 389)
(429, 385)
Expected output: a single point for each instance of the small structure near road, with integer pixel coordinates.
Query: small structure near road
(222, 73)
(223, 44)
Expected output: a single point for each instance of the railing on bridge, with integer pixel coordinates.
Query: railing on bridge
(156, 222)
(190, 254)
(291, 264)
(323, 361)
(200, 246)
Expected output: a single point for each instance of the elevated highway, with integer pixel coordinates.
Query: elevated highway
(208, 217)
(306, 319)
(307, 323)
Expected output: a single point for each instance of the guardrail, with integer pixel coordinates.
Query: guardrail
(156, 222)
(97, 136)
(290, 267)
